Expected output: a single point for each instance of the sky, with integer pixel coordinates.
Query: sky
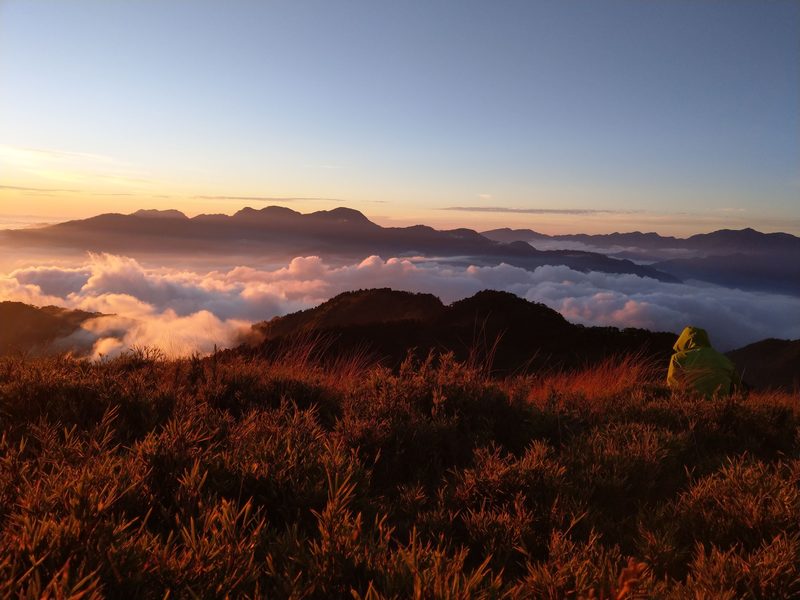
(582, 116)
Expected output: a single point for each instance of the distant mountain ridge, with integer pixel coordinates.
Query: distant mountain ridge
(152, 213)
(746, 240)
(340, 233)
(745, 258)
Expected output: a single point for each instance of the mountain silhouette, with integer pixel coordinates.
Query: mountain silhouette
(511, 333)
(746, 258)
(337, 234)
(722, 241)
(30, 329)
(769, 363)
(363, 307)
(766, 272)
(159, 214)
(499, 329)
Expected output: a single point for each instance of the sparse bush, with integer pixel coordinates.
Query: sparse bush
(769, 571)
(745, 503)
(587, 569)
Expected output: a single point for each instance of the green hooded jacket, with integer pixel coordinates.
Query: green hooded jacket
(697, 366)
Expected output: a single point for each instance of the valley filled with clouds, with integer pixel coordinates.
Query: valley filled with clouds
(187, 311)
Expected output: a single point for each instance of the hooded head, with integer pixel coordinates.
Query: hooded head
(691, 338)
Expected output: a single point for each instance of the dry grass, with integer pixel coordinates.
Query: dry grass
(142, 477)
(595, 387)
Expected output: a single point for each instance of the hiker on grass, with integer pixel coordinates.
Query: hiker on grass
(698, 367)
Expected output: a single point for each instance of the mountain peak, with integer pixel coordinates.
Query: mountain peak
(154, 213)
(499, 329)
(248, 212)
(342, 214)
(358, 307)
(278, 210)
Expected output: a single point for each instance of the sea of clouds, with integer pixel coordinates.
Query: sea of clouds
(183, 312)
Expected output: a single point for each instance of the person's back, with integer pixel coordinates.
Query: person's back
(697, 366)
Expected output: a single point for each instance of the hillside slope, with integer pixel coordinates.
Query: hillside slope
(491, 327)
(26, 328)
(770, 363)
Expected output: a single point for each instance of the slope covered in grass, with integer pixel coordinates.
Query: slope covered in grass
(287, 478)
(26, 328)
(514, 334)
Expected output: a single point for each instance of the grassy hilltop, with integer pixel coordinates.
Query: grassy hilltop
(287, 478)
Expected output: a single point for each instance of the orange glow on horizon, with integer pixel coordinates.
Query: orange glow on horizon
(19, 208)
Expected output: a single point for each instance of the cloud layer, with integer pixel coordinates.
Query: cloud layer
(185, 311)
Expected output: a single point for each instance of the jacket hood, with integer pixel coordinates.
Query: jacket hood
(691, 338)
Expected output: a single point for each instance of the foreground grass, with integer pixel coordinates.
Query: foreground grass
(142, 477)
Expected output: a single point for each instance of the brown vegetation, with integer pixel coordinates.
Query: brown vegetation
(34, 330)
(287, 478)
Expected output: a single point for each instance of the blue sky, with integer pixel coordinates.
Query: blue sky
(671, 116)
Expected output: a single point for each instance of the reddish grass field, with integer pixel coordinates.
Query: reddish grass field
(142, 477)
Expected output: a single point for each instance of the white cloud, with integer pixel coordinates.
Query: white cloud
(184, 311)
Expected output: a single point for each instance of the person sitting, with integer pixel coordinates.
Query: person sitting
(696, 366)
